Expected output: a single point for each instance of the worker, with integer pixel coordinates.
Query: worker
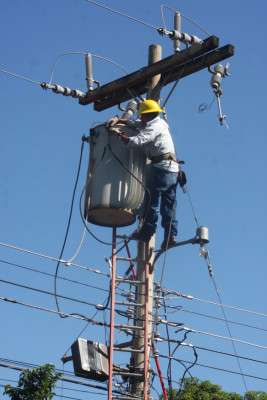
(156, 142)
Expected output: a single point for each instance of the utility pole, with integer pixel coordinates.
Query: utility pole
(144, 293)
(149, 80)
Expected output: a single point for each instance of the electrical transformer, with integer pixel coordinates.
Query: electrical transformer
(115, 179)
(90, 360)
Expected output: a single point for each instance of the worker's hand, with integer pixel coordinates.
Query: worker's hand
(111, 122)
(115, 131)
(182, 180)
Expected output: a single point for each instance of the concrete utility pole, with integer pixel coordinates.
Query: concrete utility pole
(150, 79)
(144, 293)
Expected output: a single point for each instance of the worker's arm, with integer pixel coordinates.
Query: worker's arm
(123, 137)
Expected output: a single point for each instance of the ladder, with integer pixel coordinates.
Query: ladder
(139, 330)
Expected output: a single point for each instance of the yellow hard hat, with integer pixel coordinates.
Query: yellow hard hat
(149, 106)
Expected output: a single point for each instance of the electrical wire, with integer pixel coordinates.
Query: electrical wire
(53, 276)
(221, 319)
(223, 337)
(61, 378)
(46, 292)
(19, 76)
(227, 324)
(230, 355)
(124, 15)
(215, 368)
(179, 295)
(68, 225)
(84, 53)
(53, 259)
(75, 316)
(184, 16)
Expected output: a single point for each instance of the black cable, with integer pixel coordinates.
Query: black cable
(169, 349)
(52, 275)
(68, 226)
(185, 371)
(46, 292)
(231, 355)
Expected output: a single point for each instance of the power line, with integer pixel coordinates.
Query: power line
(52, 275)
(189, 297)
(60, 378)
(53, 259)
(222, 337)
(122, 14)
(46, 292)
(184, 16)
(221, 319)
(229, 354)
(19, 76)
(216, 368)
(76, 316)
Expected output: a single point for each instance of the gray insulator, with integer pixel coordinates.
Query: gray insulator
(186, 38)
(216, 81)
(219, 69)
(155, 352)
(99, 307)
(130, 109)
(202, 235)
(129, 313)
(67, 91)
(77, 94)
(130, 296)
(175, 35)
(58, 89)
(195, 40)
(210, 270)
(218, 73)
(206, 254)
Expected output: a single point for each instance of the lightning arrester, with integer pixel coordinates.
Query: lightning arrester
(89, 72)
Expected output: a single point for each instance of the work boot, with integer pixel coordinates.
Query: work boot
(172, 242)
(141, 236)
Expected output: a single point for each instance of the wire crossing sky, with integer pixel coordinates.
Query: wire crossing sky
(41, 138)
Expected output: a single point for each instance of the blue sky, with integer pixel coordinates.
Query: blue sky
(40, 146)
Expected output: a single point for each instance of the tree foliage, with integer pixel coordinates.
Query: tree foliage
(194, 389)
(37, 383)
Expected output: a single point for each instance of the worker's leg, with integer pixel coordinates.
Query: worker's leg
(151, 203)
(168, 206)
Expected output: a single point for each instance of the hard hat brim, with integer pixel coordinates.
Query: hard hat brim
(150, 112)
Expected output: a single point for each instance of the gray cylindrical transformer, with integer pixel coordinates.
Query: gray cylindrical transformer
(113, 194)
(202, 235)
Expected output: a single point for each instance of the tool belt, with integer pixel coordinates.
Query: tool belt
(166, 156)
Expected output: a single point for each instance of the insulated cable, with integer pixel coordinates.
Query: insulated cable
(124, 15)
(184, 16)
(223, 337)
(179, 295)
(19, 76)
(53, 275)
(68, 226)
(84, 53)
(46, 292)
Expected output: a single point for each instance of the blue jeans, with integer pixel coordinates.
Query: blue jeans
(161, 184)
